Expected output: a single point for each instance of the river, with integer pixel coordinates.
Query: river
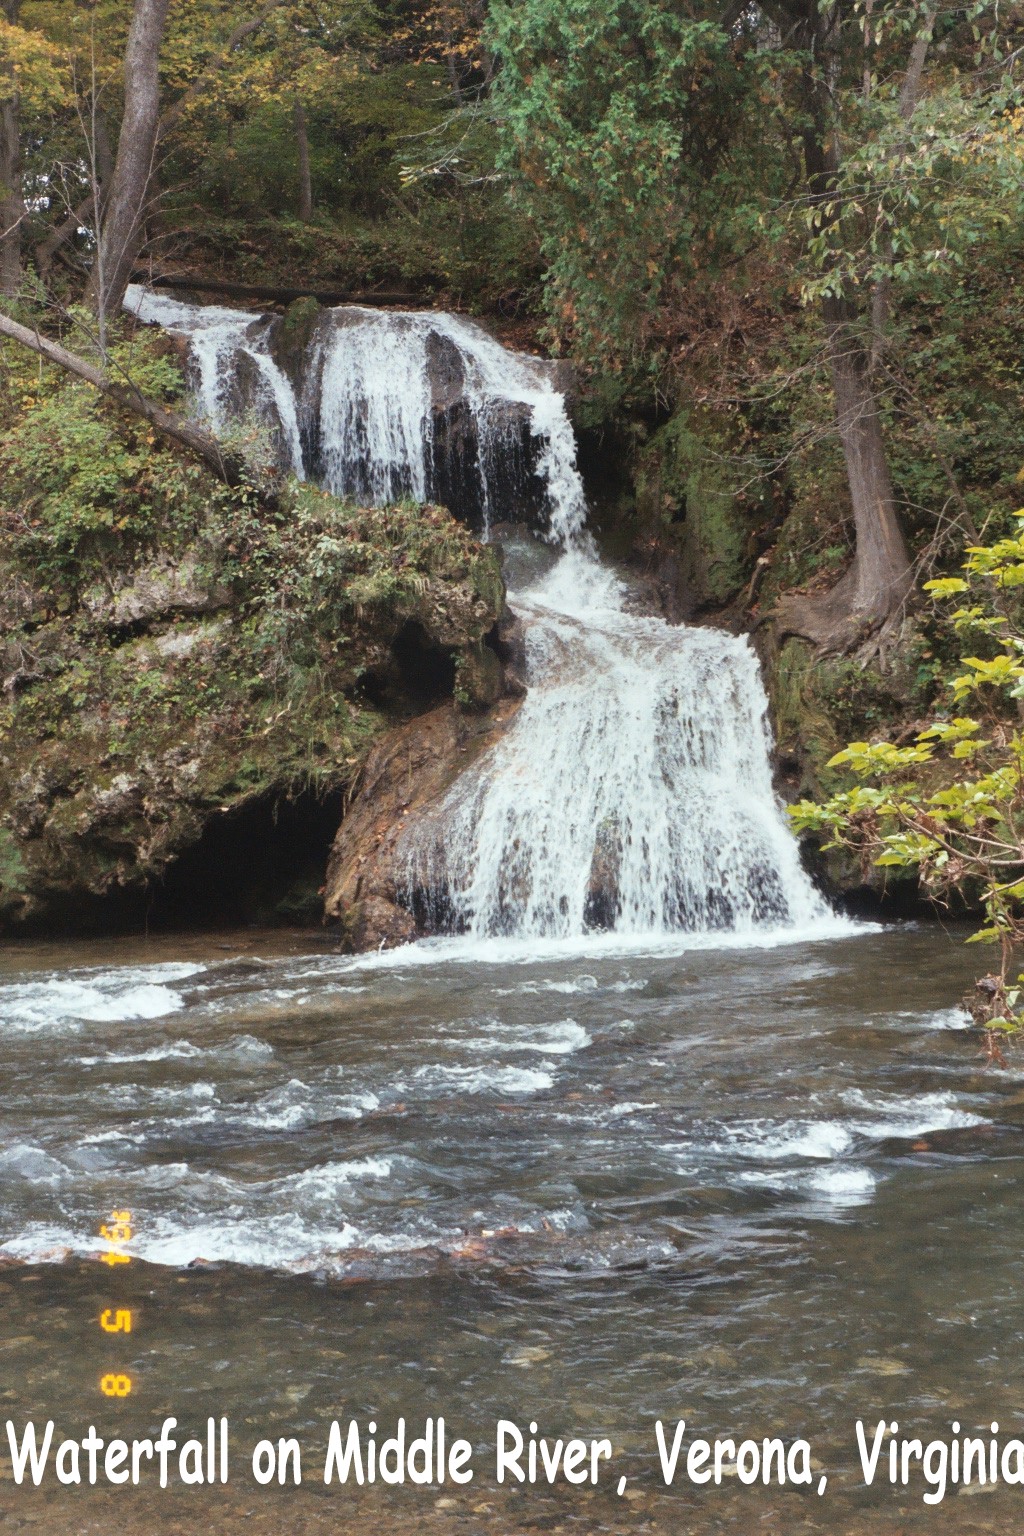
(769, 1186)
(733, 1159)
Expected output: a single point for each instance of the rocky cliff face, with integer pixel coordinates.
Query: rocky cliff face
(178, 736)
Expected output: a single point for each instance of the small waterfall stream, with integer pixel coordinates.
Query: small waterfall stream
(633, 792)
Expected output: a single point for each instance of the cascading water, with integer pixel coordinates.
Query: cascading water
(221, 338)
(633, 791)
(394, 405)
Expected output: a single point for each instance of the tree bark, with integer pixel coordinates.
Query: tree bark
(881, 575)
(122, 223)
(12, 204)
(880, 578)
(227, 466)
(305, 180)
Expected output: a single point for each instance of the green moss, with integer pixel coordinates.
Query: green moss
(204, 653)
(686, 483)
(820, 703)
(13, 871)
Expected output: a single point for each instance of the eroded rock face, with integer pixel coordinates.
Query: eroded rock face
(405, 774)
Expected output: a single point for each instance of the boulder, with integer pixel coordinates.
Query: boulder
(378, 924)
(161, 589)
(405, 774)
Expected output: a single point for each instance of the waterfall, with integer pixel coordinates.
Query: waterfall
(400, 404)
(220, 340)
(633, 791)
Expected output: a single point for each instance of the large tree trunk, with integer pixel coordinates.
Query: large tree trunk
(122, 223)
(305, 179)
(880, 578)
(12, 205)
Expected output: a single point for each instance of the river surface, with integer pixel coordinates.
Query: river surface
(769, 1187)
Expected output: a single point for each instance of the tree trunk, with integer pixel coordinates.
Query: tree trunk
(305, 180)
(122, 224)
(880, 578)
(12, 205)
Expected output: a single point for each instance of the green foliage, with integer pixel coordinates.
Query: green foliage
(322, 573)
(78, 486)
(625, 123)
(950, 805)
(882, 219)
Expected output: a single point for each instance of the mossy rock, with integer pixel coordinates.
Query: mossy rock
(479, 681)
(686, 484)
(291, 335)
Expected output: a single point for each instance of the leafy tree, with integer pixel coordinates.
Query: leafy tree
(949, 805)
(654, 141)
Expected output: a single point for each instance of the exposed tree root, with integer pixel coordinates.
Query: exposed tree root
(843, 619)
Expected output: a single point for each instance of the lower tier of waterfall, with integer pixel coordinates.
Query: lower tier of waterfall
(633, 792)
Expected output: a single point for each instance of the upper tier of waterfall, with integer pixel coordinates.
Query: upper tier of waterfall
(380, 406)
(633, 792)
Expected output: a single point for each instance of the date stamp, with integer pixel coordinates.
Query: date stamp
(116, 1233)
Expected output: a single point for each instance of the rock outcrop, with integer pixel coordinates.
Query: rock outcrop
(406, 772)
(183, 734)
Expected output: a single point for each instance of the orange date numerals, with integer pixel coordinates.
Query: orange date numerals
(115, 1232)
(116, 1322)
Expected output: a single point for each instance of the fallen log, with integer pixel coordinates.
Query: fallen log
(227, 465)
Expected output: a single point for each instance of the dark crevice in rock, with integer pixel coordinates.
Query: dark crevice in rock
(415, 674)
(261, 863)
